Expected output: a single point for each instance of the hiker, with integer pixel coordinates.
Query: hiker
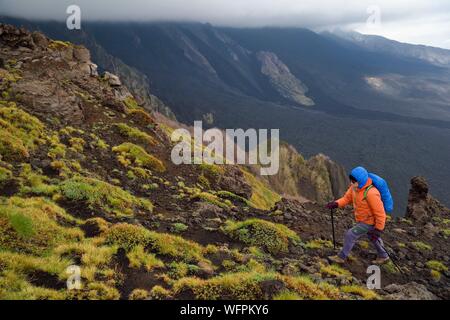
(369, 213)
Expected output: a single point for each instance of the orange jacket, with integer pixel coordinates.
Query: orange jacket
(369, 211)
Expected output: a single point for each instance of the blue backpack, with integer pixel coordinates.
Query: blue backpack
(385, 193)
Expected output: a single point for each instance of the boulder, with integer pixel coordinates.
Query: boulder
(46, 97)
(207, 210)
(112, 79)
(81, 54)
(40, 40)
(15, 37)
(409, 291)
(421, 206)
(93, 70)
(270, 288)
(234, 181)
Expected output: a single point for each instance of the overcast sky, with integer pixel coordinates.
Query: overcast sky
(412, 21)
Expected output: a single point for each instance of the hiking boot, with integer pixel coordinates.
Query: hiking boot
(380, 261)
(336, 259)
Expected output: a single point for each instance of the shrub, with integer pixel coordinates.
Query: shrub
(231, 196)
(20, 133)
(139, 258)
(211, 171)
(77, 144)
(437, 265)
(335, 270)
(34, 183)
(141, 117)
(287, 295)
(436, 275)
(11, 147)
(59, 45)
(33, 225)
(178, 227)
(131, 103)
(318, 244)
(307, 289)
(275, 238)
(135, 134)
(103, 196)
(210, 198)
(360, 291)
(159, 293)
(138, 294)
(239, 286)
(5, 175)
(129, 152)
(129, 236)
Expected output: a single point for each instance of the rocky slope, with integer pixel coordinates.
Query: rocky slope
(339, 75)
(317, 179)
(86, 180)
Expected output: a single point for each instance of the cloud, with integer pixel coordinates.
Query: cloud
(417, 21)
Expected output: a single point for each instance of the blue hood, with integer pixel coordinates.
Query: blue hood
(361, 175)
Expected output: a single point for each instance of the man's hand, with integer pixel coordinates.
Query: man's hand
(333, 205)
(374, 235)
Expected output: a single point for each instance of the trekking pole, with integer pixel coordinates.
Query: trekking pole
(332, 227)
(390, 257)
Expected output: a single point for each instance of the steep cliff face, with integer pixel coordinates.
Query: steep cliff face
(316, 179)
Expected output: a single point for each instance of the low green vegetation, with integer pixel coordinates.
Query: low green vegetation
(335, 270)
(262, 196)
(422, 246)
(138, 294)
(436, 269)
(32, 225)
(233, 197)
(241, 286)
(178, 227)
(275, 238)
(20, 133)
(360, 291)
(135, 134)
(139, 258)
(213, 199)
(129, 153)
(318, 244)
(103, 197)
(129, 236)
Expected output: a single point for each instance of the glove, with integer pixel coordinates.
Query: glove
(374, 235)
(332, 205)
